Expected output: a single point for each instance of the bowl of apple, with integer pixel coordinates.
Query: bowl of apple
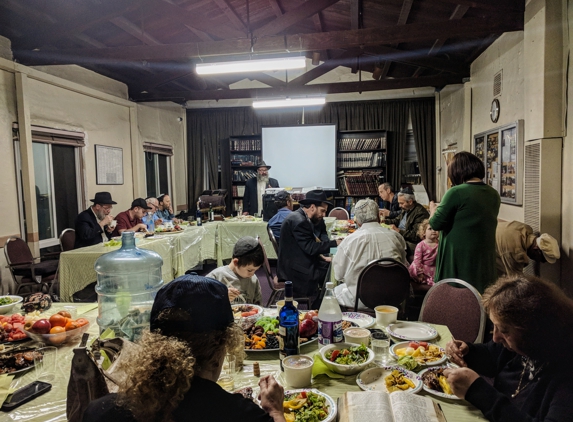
(58, 329)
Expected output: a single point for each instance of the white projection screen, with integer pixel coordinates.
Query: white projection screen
(301, 156)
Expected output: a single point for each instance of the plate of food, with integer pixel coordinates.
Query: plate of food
(435, 382)
(18, 362)
(169, 230)
(308, 401)
(424, 353)
(406, 330)
(12, 328)
(246, 310)
(361, 320)
(262, 334)
(389, 379)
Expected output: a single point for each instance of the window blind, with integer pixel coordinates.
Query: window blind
(161, 149)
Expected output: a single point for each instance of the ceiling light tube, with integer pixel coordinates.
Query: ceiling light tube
(290, 102)
(251, 65)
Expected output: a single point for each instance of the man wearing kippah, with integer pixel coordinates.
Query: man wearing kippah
(407, 222)
(516, 244)
(283, 201)
(369, 242)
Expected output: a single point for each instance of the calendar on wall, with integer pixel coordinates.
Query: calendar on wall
(501, 150)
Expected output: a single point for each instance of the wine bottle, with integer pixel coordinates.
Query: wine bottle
(288, 326)
(198, 215)
(329, 318)
(211, 213)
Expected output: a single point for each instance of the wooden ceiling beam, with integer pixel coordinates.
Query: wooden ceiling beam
(276, 8)
(203, 36)
(292, 17)
(402, 19)
(342, 59)
(318, 89)
(414, 58)
(267, 79)
(494, 5)
(457, 14)
(231, 15)
(355, 14)
(469, 27)
(134, 30)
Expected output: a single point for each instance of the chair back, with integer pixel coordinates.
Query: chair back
(384, 281)
(17, 252)
(273, 240)
(67, 239)
(458, 305)
(339, 213)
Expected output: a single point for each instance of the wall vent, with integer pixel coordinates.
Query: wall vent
(531, 198)
(497, 79)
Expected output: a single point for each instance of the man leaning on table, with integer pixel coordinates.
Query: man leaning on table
(130, 220)
(93, 224)
(369, 242)
(409, 219)
(300, 253)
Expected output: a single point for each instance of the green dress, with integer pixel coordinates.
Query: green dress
(467, 220)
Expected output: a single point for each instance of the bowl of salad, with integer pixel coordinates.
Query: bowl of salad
(346, 358)
(8, 302)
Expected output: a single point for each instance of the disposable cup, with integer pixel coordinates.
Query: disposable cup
(227, 377)
(381, 349)
(46, 363)
(113, 223)
(281, 303)
(386, 315)
(357, 335)
(298, 370)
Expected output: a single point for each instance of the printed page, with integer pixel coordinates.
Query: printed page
(409, 407)
(366, 406)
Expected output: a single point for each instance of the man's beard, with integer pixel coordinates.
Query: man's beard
(100, 214)
(263, 178)
(315, 219)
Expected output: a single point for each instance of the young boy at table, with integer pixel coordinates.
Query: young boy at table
(239, 275)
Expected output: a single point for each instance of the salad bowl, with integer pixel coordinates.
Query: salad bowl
(355, 363)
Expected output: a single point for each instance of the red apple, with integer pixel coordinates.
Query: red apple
(307, 328)
(311, 315)
(42, 326)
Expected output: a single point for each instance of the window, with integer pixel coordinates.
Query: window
(157, 168)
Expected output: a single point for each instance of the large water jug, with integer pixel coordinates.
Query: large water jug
(127, 282)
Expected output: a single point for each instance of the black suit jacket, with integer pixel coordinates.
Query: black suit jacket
(299, 254)
(88, 230)
(250, 200)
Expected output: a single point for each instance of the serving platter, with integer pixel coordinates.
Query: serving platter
(405, 344)
(312, 340)
(361, 320)
(18, 371)
(431, 390)
(412, 331)
(373, 379)
(329, 401)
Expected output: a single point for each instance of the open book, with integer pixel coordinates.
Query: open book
(378, 406)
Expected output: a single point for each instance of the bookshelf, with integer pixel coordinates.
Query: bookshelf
(245, 157)
(361, 165)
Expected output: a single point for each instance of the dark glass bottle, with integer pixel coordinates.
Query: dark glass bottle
(211, 213)
(198, 215)
(288, 326)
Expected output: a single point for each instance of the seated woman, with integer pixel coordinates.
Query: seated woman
(174, 378)
(529, 357)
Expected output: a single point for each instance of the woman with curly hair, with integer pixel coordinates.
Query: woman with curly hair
(529, 357)
(174, 375)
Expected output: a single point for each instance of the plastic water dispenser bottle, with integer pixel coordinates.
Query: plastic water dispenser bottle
(329, 318)
(127, 282)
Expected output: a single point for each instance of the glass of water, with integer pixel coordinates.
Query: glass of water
(381, 351)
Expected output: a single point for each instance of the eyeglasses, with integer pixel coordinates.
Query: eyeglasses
(107, 207)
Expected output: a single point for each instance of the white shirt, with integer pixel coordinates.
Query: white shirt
(261, 187)
(369, 242)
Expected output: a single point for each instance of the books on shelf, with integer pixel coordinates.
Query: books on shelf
(238, 190)
(345, 144)
(364, 183)
(243, 175)
(245, 144)
(245, 159)
(361, 159)
(379, 406)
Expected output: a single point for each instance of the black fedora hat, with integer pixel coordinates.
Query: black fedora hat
(263, 164)
(103, 198)
(316, 197)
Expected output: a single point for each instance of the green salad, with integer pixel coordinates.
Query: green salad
(352, 356)
(305, 406)
(5, 301)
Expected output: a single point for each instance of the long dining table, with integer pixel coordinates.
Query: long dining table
(52, 405)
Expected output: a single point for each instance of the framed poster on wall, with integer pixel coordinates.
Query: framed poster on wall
(109, 165)
(501, 150)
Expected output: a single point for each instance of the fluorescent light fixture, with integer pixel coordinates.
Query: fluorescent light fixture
(261, 65)
(290, 102)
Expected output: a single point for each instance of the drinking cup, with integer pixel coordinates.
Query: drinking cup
(381, 349)
(227, 377)
(281, 303)
(386, 315)
(357, 335)
(46, 363)
(113, 224)
(298, 370)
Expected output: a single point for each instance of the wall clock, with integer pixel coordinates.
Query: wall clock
(494, 111)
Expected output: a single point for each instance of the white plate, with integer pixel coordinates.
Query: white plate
(329, 401)
(412, 331)
(257, 307)
(404, 344)
(362, 320)
(373, 379)
(435, 392)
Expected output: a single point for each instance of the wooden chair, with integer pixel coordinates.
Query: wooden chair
(340, 213)
(458, 305)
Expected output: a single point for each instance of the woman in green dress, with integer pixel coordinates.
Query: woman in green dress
(466, 219)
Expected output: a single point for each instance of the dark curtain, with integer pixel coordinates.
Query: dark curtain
(209, 129)
(424, 127)
(65, 186)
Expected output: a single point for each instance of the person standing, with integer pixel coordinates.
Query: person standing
(165, 210)
(283, 201)
(467, 220)
(387, 194)
(130, 220)
(255, 188)
(93, 224)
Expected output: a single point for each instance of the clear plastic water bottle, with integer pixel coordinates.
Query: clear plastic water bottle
(329, 318)
(127, 281)
(150, 223)
(199, 215)
(288, 326)
(352, 212)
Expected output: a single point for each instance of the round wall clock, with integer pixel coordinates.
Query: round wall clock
(494, 111)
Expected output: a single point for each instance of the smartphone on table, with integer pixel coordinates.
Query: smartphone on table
(25, 394)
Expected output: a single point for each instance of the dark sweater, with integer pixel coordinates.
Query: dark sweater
(548, 397)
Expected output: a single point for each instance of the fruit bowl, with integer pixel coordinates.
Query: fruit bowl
(66, 337)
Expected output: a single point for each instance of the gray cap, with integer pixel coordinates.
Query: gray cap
(245, 245)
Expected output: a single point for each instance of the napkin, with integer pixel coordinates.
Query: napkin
(5, 390)
(319, 367)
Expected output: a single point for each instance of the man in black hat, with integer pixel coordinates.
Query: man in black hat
(93, 224)
(130, 220)
(255, 188)
(300, 250)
